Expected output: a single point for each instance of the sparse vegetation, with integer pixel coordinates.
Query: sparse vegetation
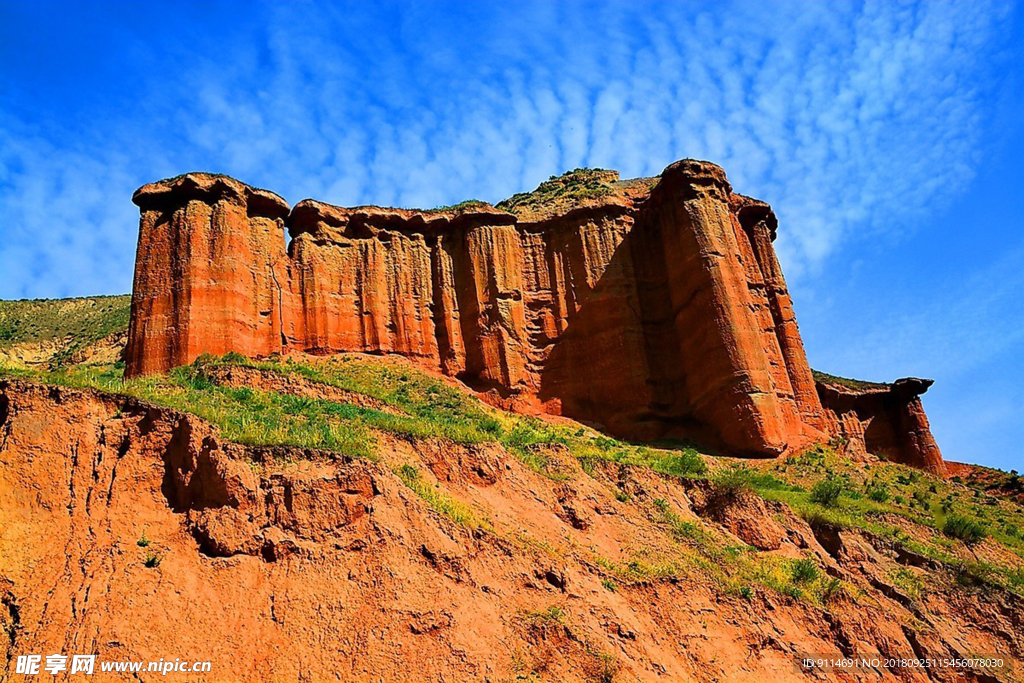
(878, 494)
(69, 324)
(553, 614)
(525, 439)
(804, 571)
(456, 511)
(968, 530)
(856, 384)
(908, 582)
(462, 206)
(568, 188)
(925, 515)
(153, 560)
(733, 481)
(431, 409)
(685, 462)
(826, 492)
(831, 589)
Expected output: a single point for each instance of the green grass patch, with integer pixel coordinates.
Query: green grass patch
(856, 384)
(553, 614)
(438, 500)
(85, 319)
(908, 582)
(443, 410)
(968, 530)
(804, 571)
(826, 492)
(462, 206)
(566, 189)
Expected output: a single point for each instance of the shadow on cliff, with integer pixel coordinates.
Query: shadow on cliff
(616, 363)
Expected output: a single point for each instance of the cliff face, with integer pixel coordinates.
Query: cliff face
(204, 274)
(654, 307)
(884, 419)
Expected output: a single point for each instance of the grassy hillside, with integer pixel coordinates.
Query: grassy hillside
(62, 326)
(87, 319)
(356, 405)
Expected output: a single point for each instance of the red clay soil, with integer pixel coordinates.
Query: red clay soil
(993, 482)
(291, 565)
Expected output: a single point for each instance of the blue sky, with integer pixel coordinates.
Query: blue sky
(888, 137)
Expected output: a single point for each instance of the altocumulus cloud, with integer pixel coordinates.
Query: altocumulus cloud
(849, 118)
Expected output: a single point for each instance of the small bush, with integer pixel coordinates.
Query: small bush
(908, 582)
(832, 589)
(733, 481)
(826, 492)
(973, 574)
(153, 560)
(966, 529)
(879, 494)
(527, 433)
(804, 571)
(682, 463)
(143, 542)
(820, 517)
(608, 584)
(746, 593)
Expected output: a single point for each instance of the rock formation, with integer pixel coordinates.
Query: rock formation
(653, 307)
(883, 419)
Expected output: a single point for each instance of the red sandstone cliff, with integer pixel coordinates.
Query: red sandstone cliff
(653, 307)
(883, 419)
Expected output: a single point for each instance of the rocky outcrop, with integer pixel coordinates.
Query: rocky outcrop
(653, 307)
(204, 275)
(882, 419)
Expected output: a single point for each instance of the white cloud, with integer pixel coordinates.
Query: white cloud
(859, 116)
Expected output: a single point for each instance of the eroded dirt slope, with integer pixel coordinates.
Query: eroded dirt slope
(435, 562)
